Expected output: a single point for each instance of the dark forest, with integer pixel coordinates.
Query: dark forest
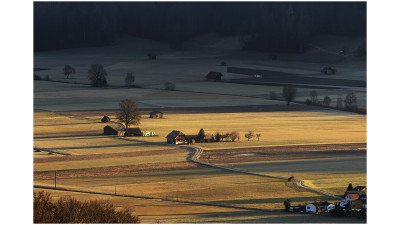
(262, 26)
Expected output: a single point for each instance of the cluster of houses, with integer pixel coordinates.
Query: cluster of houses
(355, 200)
(130, 132)
(177, 137)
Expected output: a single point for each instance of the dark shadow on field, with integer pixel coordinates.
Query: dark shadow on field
(68, 136)
(349, 164)
(62, 124)
(271, 200)
(75, 137)
(103, 146)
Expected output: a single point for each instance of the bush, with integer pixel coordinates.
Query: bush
(308, 102)
(47, 78)
(169, 86)
(223, 63)
(70, 210)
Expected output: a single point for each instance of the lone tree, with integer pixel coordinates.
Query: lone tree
(286, 203)
(97, 75)
(350, 187)
(249, 135)
(129, 79)
(68, 70)
(314, 97)
(201, 134)
(350, 102)
(339, 102)
(327, 101)
(128, 113)
(258, 137)
(289, 93)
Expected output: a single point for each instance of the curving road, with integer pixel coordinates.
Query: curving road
(299, 183)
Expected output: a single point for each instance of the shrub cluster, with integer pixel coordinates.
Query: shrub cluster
(70, 210)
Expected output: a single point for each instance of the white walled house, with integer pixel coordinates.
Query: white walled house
(310, 208)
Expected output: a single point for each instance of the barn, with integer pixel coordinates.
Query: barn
(105, 119)
(130, 132)
(214, 76)
(156, 115)
(108, 130)
(176, 137)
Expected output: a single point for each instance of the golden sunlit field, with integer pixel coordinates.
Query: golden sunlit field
(147, 166)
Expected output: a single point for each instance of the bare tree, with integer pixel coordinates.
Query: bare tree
(327, 101)
(129, 79)
(314, 97)
(234, 135)
(258, 137)
(249, 135)
(68, 70)
(289, 93)
(97, 75)
(129, 113)
(339, 102)
(350, 102)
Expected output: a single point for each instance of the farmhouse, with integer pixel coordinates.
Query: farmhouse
(130, 132)
(110, 131)
(176, 137)
(156, 115)
(214, 76)
(105, 119)
(319, 207)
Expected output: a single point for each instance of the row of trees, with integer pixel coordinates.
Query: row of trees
(97, 75)
(70, 210)
(349, 103)
(228, 136)
(289, 93)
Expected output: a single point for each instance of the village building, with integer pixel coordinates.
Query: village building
(176, 137)
(108, 130)
(319, 207)
(130, 132)
(105, 119)
(156, 115)
(214, 76)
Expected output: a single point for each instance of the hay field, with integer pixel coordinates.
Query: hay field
(146, 166)
(276, 128)
(156, 211)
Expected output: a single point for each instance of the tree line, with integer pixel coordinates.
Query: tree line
(263, 26)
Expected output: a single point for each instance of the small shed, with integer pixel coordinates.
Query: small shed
(156, 115)
(108, 130)
(214, 76)
(176, 137)
(130, 132)
(105, 119)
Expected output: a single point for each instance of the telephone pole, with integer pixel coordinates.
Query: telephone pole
(55, 179)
